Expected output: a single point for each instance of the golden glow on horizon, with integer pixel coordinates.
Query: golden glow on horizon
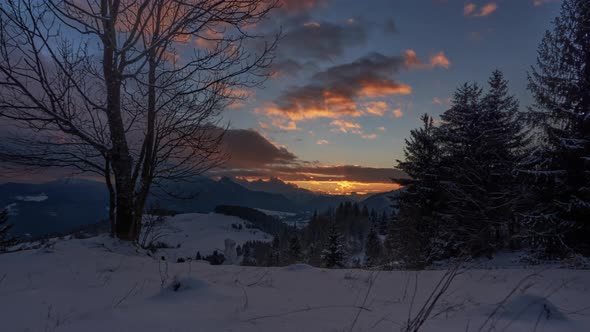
(345, 187)
(334, 187)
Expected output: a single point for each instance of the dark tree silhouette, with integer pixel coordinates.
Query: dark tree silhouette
(560, 82)
(5, 238)
(373, 249)
(411, 236)
(334, 252)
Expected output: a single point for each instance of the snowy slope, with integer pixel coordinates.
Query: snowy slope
(100, 284)
(195, 232)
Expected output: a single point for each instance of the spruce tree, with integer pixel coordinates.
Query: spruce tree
(505, 139)
(560, 82)
(482, 142)
(373, 249)
(275, 258)
(333, 253)
(411, 236)
(384, 223)
(294, 250)
(467, 229)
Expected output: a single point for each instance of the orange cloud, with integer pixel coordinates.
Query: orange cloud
(471, 9)
(341, 91)
(373, 89)
(284, 125)
(322, 142)
(439, 59)
(346, 127)
(488, 9)
(376, 108)
(398, 113)
(330, 105)
(381, 128)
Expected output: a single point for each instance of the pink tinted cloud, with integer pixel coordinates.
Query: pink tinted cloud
(472, 10)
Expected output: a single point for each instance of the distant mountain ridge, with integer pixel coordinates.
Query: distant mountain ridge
(53, 207)
(62, 205)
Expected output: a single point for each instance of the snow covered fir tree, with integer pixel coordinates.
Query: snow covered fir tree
(334, 253)
(559, 170)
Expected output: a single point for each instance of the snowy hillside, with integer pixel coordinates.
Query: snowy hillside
(204, 233)
(100, 284)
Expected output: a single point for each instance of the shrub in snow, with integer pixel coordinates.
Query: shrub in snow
(152, 230)
(215, 258)
(153, 247)
(333, 253)
(176, 284)
(5, 239)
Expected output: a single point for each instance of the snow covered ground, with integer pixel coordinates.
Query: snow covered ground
(277, 214)
(194, 232)
(100, 284)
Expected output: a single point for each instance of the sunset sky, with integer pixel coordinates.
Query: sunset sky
(353, 77)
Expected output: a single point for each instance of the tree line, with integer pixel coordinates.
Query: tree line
(333, 238)
(492, 175)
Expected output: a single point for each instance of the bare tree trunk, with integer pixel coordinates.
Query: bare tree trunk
(122, 162)
(112, 195)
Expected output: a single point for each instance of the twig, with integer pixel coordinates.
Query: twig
(371, 283)
(126, 295)
(506, 298)
(259, 280)
(246, 301)
(304, 310)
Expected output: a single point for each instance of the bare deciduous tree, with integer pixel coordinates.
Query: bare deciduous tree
(129, 90)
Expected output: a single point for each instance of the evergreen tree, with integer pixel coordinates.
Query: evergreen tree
(373, 249)
(365, 211)
(411, 235)
(505, 143)
(294, 249)
(560, 82)
(391, 242)
(6, 239)
(274, 258)
(466, 175)
(383, 223)
(333, 253)
(482, 140)
(247, 259)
